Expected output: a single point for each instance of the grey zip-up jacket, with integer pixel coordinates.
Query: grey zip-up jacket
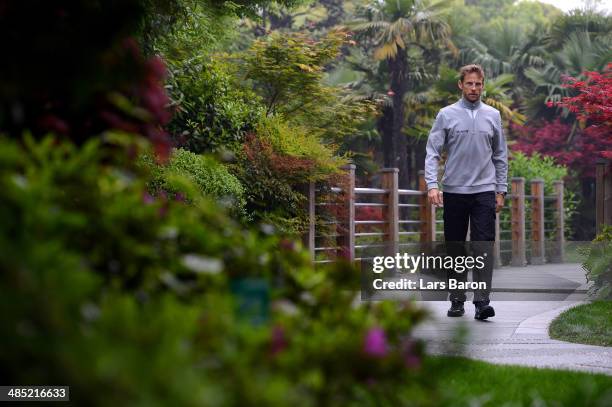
(477, 152)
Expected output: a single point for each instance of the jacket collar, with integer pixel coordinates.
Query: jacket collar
(469, 105)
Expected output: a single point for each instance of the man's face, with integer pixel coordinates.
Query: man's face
(472, 86)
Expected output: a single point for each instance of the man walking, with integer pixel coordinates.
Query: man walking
(474, 181)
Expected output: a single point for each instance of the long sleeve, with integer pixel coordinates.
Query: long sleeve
(435, 143)
(500, 158)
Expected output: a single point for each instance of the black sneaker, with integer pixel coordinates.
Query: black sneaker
(483, 310)
(456, 309)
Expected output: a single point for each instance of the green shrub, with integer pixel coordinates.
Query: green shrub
(213, 111)
(598, 264)
(127, 300)
(274, 166)
(544, 167)
(209, 176)
(299, 142)
(536, 166)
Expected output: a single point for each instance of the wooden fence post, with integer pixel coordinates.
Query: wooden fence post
(427, 213)
(518, 222)
(559, 251)
(537, 221)
(603, 194)
(391, 211)
(346, 229)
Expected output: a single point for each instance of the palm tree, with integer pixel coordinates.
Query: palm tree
(396, 28)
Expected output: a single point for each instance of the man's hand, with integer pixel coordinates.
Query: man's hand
(435, 197)
(499, 202)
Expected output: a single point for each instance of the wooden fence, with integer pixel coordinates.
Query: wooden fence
(528, 229)
(603, 194)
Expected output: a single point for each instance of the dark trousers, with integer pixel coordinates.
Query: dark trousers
(477, 210)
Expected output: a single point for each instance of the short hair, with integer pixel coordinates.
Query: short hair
(471, 68)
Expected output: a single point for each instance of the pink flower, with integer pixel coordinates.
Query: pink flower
(375, 343)
(390, 93)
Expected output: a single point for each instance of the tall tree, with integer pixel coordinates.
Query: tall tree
(396, 28)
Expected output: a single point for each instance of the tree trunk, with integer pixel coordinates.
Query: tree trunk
(385, 129)
(399, 87)
(420, 155)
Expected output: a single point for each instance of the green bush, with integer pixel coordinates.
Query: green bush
(544, 167)
(297, 141)
(271, 184)
(213, 111)
(276, 164)
(598, 264)
(129, 300)
(209, 176)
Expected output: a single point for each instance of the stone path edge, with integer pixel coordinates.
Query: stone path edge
(537, 325)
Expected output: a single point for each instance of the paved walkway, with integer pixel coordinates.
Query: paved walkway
(518, 334)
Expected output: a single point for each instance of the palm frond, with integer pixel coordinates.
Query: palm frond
(506, 112)
(367, 26)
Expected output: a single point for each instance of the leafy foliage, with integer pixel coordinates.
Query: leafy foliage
(211, 178)
(300, 142)
(272, 182)
(594, 100)
(543, 167)
(537, 166)
(288, 72)
(129, 300)
(212, 111)
(554, 139)
(580, 52)
(597, 25)
(400, 24)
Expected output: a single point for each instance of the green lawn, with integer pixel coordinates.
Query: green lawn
(471, 382)
(588, 323)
